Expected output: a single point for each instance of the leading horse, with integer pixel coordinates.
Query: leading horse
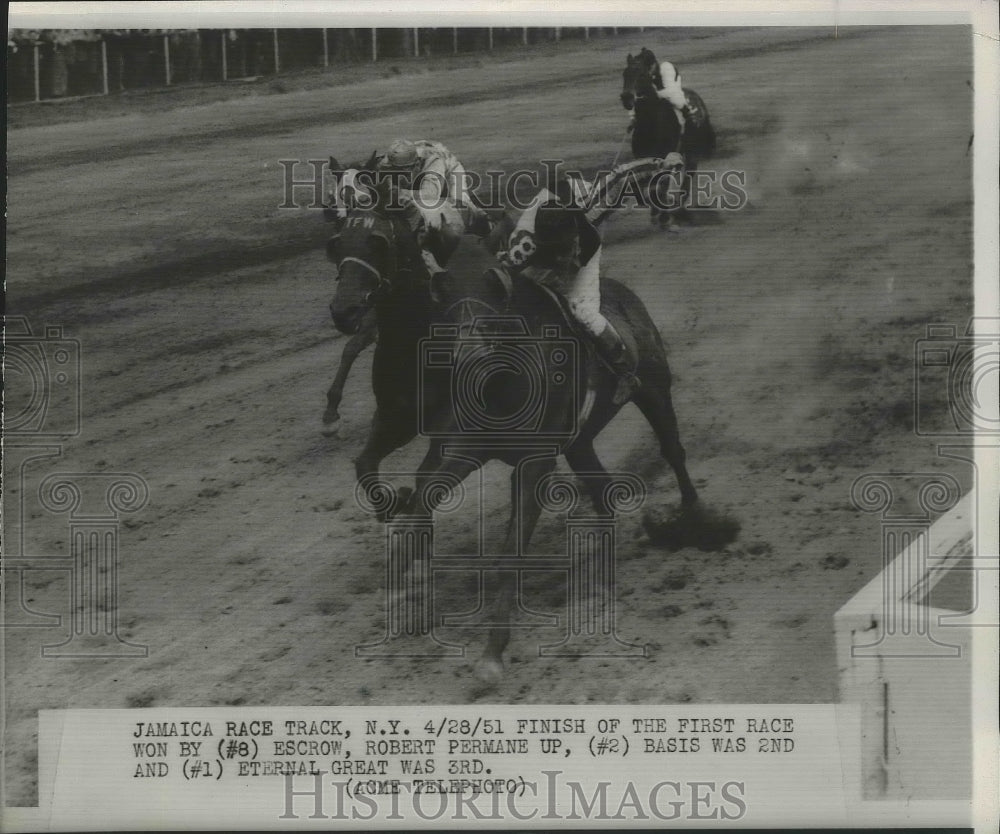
(380, 267)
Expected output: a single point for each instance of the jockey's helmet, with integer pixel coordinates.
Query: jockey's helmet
(402, 155)
(556, 230)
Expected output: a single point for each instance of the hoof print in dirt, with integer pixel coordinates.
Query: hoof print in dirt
(695, 526)
(835, 562)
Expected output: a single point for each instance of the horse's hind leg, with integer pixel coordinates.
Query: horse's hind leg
(365, 336)
(584, 462)
(525, 510)
(654, 401)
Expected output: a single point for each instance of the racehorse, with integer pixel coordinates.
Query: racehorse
(602, 204)
(348, 182)
(657, 130)
(380, 266)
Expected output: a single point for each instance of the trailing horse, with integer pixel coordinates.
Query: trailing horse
(380, 266)
(657, 130)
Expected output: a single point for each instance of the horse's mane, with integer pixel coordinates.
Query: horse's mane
(647, 57)
(648, 60)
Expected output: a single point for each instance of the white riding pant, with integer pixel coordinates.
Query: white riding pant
(584, 295)
(582, 292)
(673, 89)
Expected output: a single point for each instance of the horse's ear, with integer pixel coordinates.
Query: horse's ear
(383, 196)
(629, 58)
(334, 165)
(372, 160)
(332, 248)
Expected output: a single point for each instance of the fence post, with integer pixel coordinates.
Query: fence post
(454, 40)
(416, 42)
(326, 51)
(524, 36)
(38, 75)
(489, 37)
(556, 31)
(274, 40)
(104, 65)
(586, 33)
(374, 44)
(166, 58)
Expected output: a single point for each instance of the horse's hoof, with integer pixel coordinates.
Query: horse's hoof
(489, 670)
(330, 429)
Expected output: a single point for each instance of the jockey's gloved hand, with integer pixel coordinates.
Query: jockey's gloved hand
(433, 267)
(434, 221)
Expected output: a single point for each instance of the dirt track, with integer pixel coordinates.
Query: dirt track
(201, 310)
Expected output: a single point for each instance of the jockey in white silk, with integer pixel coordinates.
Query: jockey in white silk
(437, 183)
(670, 88)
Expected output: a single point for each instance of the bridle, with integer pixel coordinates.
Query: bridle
(383, 284)
(642, 74)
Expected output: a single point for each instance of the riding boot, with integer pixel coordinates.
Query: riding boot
(615, 354)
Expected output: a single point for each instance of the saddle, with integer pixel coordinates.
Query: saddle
(595, 362)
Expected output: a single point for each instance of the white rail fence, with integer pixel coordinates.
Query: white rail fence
(46, 67)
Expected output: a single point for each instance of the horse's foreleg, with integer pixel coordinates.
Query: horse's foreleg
(437, 475)
(386, 435)
(584, 462)
(656, 405)
(525, 510)
(355, 345)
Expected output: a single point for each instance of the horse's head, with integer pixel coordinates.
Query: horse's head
(351, 187)
(639, 77)
(372, 249)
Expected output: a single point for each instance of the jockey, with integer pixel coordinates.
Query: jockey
(437, 182)
(556, 245)
(669, 87)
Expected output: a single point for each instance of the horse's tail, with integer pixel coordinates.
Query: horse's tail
(704, 133)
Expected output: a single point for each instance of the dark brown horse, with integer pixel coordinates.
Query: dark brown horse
(380, 266)
(657, 130)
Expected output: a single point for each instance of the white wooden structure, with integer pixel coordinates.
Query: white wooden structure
(904, 655)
